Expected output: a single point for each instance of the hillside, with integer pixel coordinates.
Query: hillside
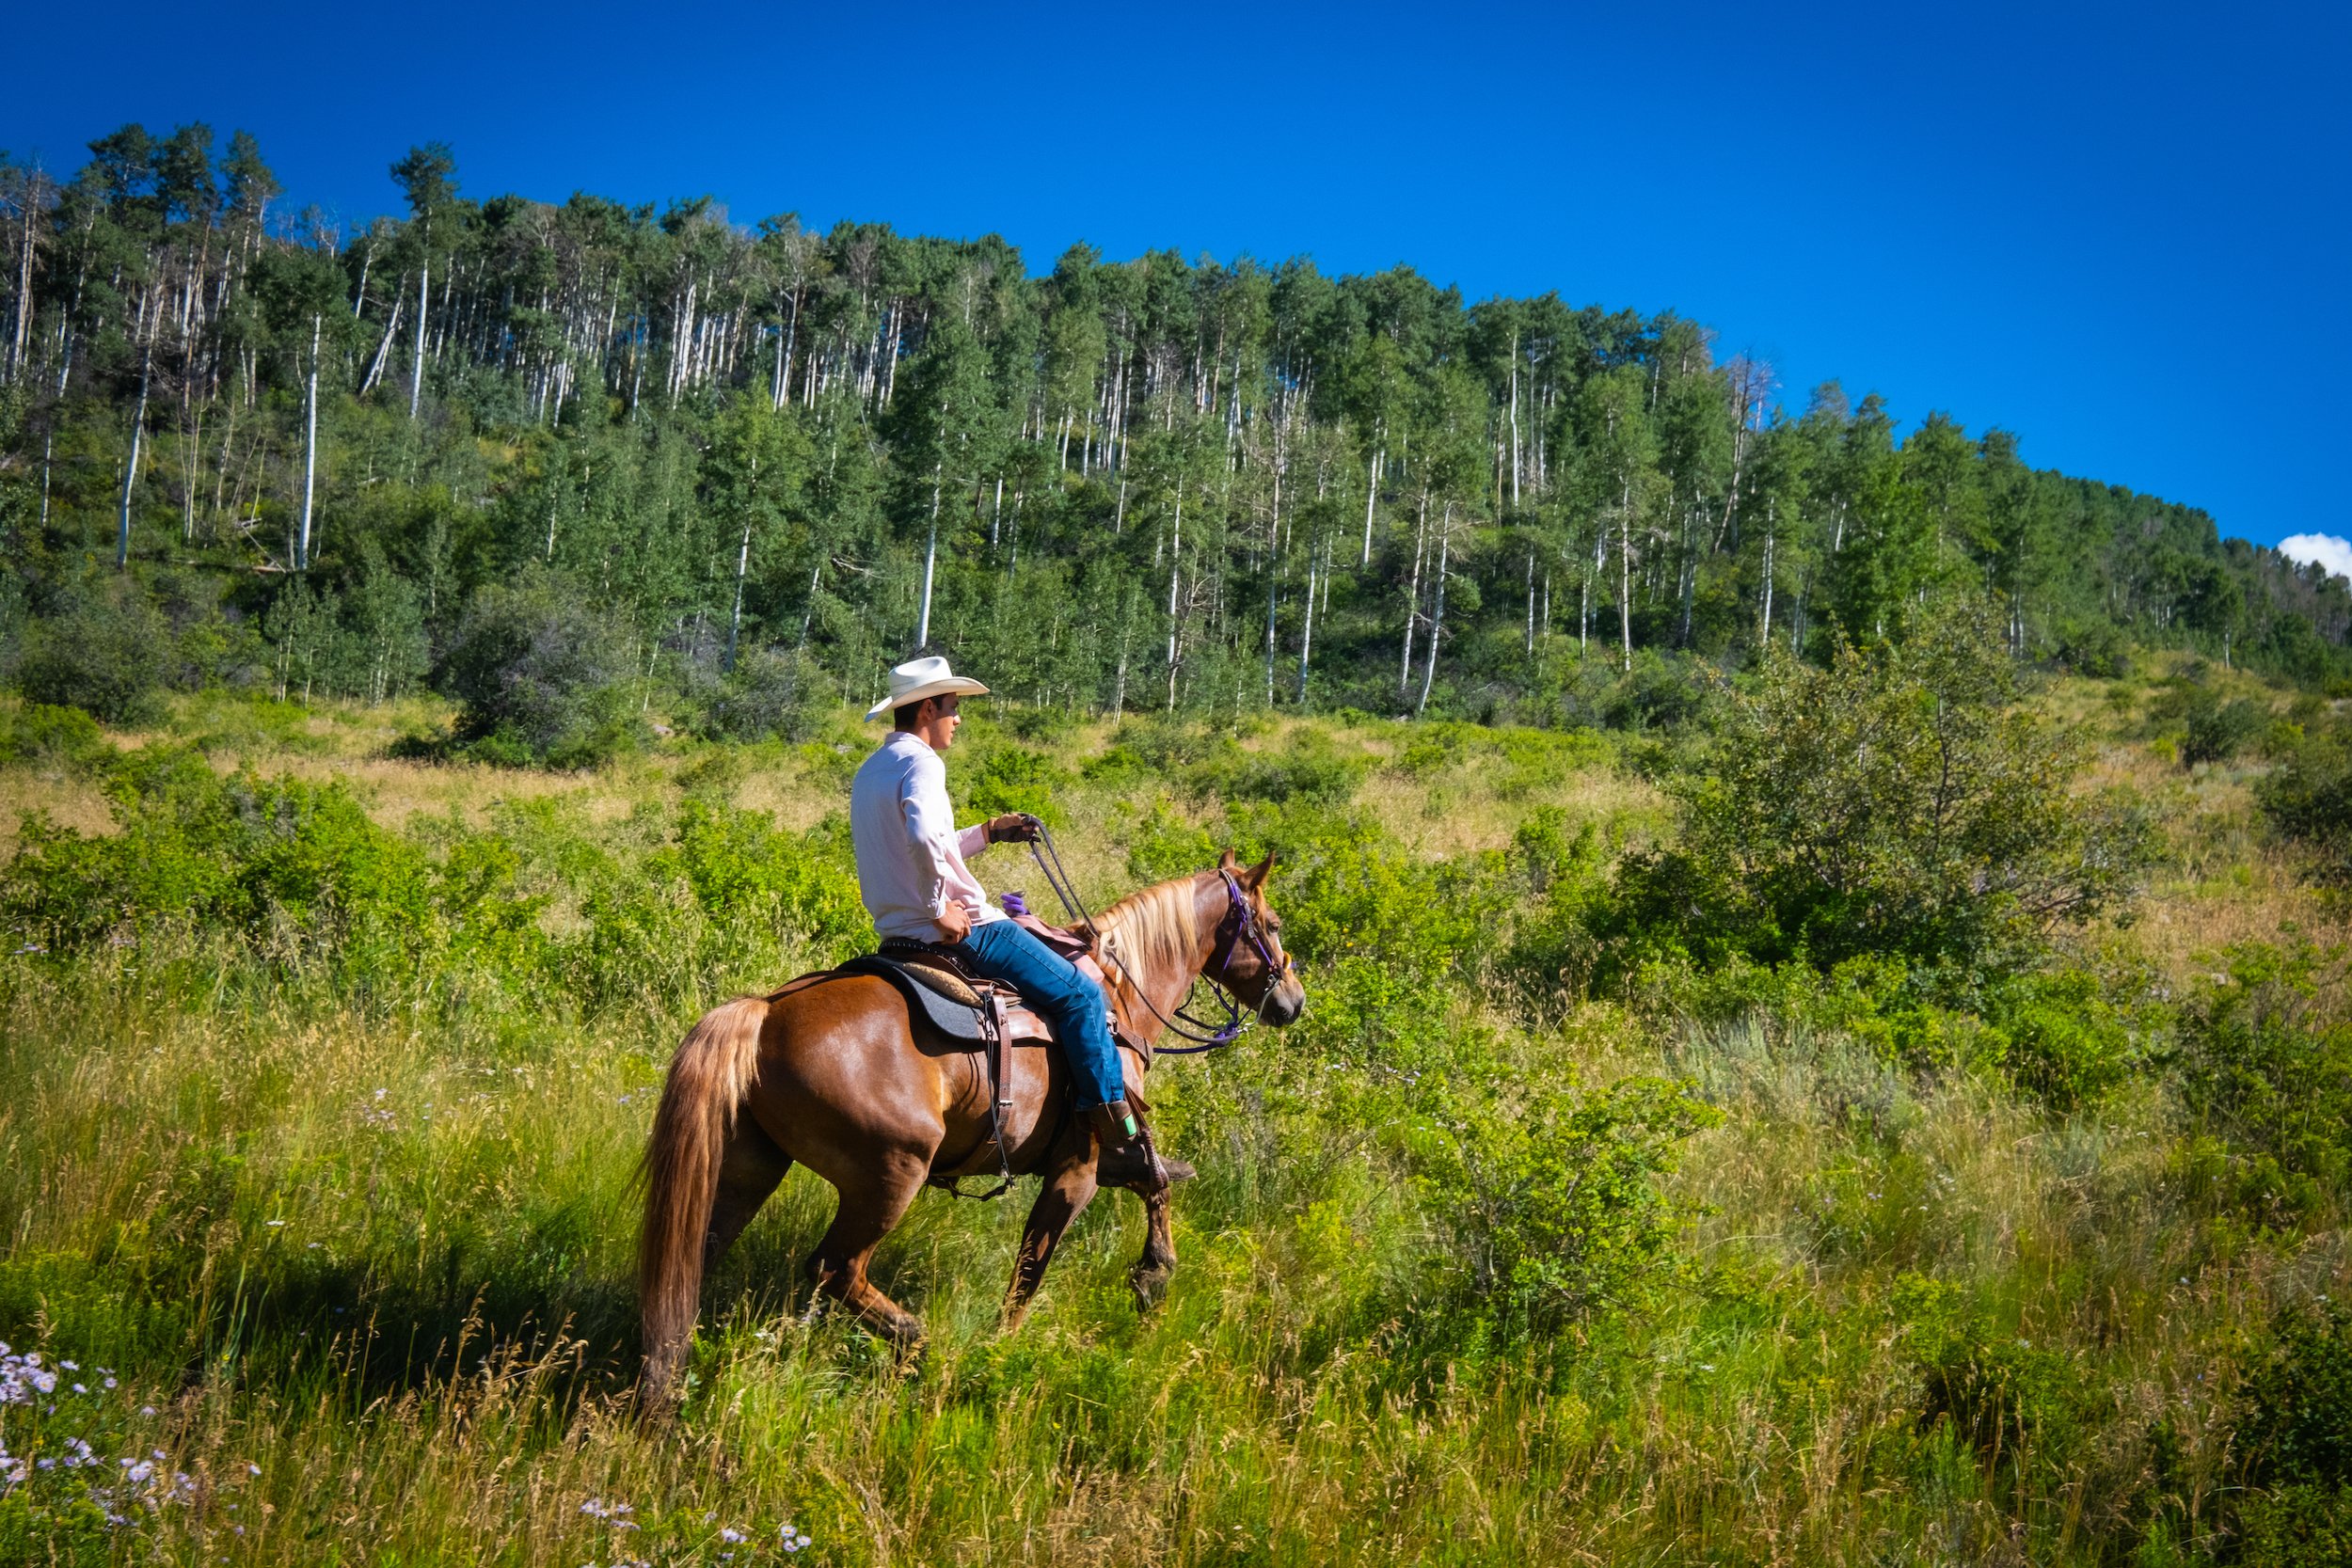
(1569, 1224)
(1827, 1035)
(755, 465)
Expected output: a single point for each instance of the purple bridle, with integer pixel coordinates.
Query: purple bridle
(1239, 924)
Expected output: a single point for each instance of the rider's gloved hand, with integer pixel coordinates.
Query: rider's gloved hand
(1014, 826)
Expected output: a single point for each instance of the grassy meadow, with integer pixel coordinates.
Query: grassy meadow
(325, 1071)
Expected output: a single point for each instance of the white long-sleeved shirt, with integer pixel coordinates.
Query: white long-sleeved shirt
(910, 857)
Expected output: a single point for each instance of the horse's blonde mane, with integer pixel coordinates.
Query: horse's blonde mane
(1151, 931)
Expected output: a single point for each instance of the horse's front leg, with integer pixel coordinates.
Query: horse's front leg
(1068, 1188)
(1149, 1275)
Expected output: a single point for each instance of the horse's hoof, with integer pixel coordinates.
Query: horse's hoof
(1150, 1285)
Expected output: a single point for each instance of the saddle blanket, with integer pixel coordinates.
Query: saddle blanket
(958, 1004)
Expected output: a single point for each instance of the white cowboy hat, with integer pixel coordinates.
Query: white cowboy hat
(918, 678)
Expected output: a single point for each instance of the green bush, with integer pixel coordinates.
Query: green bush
(102, 651)
(244, 856)
(2060, 1039)
(1550, 954)
(1896, 803)
(770, 691)
(2028, 1408)
(738, 862)
(2294, 1426)
(541, 679)
(1044, 726)
(2308, 799)
(2264, 1064)
(2096, 649)
(62, 739)
(1008, 778)
(2219, 730)
(1308, 769)
(1553, 1192)
(1659, 693)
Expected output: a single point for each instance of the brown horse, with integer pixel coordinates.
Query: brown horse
(837, 1076)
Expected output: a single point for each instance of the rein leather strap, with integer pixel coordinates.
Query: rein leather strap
(1206, 1035)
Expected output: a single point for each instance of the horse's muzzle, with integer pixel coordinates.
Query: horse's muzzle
(1284, 1002)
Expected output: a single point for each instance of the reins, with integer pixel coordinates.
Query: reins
(1205, 1034)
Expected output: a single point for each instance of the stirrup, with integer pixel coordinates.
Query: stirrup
(1126, 1156)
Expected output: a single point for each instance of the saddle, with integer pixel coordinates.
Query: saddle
(965, 1007)
(972, 1011)
(962, 1006)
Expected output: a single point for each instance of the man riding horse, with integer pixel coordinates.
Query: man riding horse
(836, 1073)
(912, 874)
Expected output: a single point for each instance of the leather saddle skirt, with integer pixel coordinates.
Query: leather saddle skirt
(937, 989)
(954, 1002)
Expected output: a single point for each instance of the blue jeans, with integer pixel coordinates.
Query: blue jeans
(1001, 950)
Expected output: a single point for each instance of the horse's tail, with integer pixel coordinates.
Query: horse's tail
(712, 1073)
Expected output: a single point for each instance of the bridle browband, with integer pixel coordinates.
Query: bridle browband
(1238, 924)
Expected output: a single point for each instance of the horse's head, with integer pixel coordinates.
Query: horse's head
(1249, 962)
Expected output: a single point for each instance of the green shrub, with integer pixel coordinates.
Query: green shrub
(1896, 803)
(1554, 1192)
(2264, 1064)
(1550, 954)
(541, 678)
(2097, 649)
(1044, 725)
(2295, 1524)
(2217, 730)
(1659, 693)
(102, 651)
(1008, 778)
(62, 739)
(2031, 1409)
(770, 691)
(2062, 1041)
(245, 856)
(2294, 1427)
(2308, 799)
(738, 862)
(1308, 769)
(1119, 767)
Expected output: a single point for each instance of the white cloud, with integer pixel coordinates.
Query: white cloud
(2323, 548)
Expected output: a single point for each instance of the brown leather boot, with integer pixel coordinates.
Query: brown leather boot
(1126, 1157)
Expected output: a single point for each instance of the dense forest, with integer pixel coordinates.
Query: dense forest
(720, 472)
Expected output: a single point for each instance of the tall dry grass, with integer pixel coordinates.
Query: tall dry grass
(360, 1265)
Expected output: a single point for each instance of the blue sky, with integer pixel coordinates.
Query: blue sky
(2118, 230)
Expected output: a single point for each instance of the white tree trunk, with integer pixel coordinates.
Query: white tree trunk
(930, 563)
(131, 470)
(1307, 632)
(1436, 621)
(1175, 565)
(1515, 419)
(309, 449)
(416, 368)
(1625, 578)
(742, 569)
(1530, 604)
(1412, 598)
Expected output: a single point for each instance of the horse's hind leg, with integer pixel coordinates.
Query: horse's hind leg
(748, 1172)
(1148, 1278)
(871, 1205)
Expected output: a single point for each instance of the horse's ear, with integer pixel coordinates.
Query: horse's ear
(1257, 874)
(1227, 861)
